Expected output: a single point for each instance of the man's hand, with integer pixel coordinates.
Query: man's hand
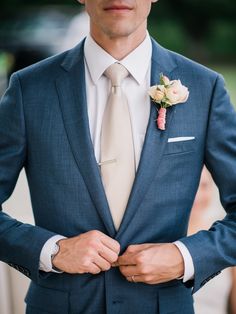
(90, 252)
(151, 263)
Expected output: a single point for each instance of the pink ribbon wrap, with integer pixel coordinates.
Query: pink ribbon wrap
(161, 120)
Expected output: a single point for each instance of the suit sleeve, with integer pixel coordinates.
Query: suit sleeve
(20, 244)
(215, 249)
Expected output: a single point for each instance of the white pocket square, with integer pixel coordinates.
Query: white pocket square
(180, 139)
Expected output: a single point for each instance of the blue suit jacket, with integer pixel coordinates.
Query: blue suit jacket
(44, 128)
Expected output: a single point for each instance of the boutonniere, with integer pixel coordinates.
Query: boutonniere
(167, 94)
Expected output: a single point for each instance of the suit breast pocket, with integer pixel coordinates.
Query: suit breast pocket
(180, 147)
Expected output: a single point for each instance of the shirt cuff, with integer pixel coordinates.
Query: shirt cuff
(188, 261)
(49, 248)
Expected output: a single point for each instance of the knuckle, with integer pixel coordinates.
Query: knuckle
(90, 251)
(147, 278)
(93, 271)
(140, 258)
(107, 267)
(85, 263)
(123, 270)
(113, 258)
(118, 246)
(96, 271)
(129, 249)
(142, 270)
(92, 243)
(94, 233)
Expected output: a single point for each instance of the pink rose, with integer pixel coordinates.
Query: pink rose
(166, 94)
(165, 80)
(176, 93)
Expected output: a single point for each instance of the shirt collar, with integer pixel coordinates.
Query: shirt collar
(93, 52)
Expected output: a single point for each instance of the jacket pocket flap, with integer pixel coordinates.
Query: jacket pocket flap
(50, 300)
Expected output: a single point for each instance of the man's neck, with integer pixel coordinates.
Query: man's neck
(119, 47)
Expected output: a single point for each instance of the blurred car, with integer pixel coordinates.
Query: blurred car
(34, 34)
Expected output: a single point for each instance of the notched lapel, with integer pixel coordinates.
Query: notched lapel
(72, 97)
(154, 143)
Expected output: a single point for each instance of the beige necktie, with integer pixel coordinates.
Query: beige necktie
(117, 148)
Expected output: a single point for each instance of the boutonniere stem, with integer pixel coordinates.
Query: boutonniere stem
(167, 94)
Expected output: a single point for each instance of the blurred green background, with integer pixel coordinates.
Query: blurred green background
(203, 30)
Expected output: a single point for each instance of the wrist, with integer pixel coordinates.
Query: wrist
(180, 263)
(188, 261)
(55, 254)
(45, 261)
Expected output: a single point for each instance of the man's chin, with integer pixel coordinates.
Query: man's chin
(118, 31)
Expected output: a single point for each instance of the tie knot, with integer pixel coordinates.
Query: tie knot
(116, 73)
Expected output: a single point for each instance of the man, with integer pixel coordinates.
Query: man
(119, 252)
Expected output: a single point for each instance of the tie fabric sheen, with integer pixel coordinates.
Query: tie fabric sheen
(117, 147)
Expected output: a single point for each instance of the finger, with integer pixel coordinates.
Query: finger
(101, 263)
(141, 278)
(109, 255)
(94, 269)
(111, 243)
(126, 259)
(134, 248)
(129, 271)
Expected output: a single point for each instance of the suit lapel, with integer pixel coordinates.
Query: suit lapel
(72, 97)
(154, 142)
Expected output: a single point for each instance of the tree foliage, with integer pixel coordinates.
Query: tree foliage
(186, 25)
(196, 16)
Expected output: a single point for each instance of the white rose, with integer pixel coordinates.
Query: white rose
(176, 93)
(157, 93)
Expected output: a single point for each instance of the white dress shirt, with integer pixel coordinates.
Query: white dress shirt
(135, 86)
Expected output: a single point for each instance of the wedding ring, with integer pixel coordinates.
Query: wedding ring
(133, 278)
